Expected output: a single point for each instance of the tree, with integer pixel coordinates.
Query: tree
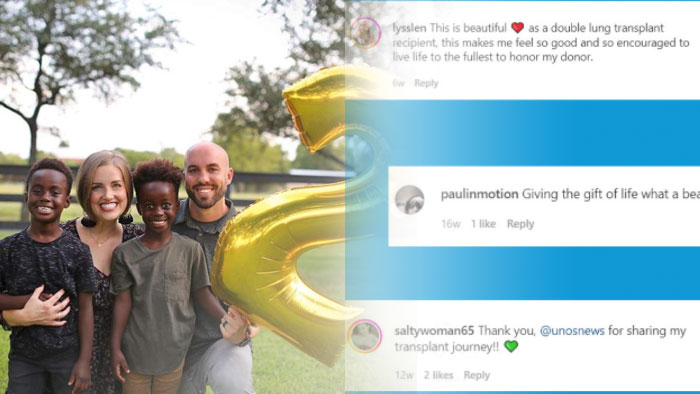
(315, 41)
(318, 38)
(306, 160)
(135, 156)
(248, 150)
(49, 49)
(11, 158)
(257, 100)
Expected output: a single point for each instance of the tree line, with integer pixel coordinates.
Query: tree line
(51, 49)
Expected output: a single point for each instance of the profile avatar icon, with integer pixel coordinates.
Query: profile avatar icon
(364, 336)
(365, 33)
(409, 199)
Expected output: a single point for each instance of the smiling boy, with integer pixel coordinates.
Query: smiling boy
(44, 255)
(154, 278)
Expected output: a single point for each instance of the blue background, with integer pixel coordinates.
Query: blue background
(524, 133)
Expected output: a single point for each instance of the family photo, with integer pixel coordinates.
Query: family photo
(139, 252)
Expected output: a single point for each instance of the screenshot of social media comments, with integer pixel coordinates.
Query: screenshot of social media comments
(523, 208)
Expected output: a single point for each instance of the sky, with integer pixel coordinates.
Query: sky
(174, 107)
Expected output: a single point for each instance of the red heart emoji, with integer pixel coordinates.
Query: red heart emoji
(517, 26)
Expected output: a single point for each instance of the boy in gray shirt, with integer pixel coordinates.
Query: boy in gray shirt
(154, 278)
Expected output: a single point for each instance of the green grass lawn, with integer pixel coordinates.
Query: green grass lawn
(278, 366)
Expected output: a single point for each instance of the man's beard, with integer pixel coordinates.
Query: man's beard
(218, 195)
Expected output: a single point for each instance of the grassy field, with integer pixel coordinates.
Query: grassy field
(279, 367)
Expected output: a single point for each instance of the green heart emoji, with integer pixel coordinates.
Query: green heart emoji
(511, 345)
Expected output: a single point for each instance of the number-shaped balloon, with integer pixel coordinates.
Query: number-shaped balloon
(255, 264)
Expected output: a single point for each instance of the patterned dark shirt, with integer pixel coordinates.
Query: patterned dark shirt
(103, 381)
(64, 263)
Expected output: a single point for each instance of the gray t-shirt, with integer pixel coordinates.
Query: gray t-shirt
(162, 318)
(206, 234)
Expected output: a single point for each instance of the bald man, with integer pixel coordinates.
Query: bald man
(220, 355)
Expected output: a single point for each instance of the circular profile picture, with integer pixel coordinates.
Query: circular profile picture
(364, 336)
(365, 33)
(409, 199)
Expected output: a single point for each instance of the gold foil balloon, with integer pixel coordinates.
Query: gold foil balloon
(317, 103)
(255, 264)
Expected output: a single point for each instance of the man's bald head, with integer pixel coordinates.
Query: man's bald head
(207, 175)
(209, 149)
